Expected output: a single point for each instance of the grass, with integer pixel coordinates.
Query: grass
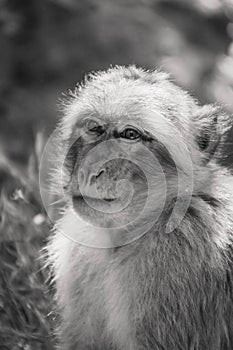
(26, 301)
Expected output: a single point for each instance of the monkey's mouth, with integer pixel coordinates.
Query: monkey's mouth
(106, 212)
(94, 206)
(97, 211)
(94, 199)
(109, 199)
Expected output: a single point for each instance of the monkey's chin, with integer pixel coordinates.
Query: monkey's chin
(86, 225)
(89, 233)
(102, 213)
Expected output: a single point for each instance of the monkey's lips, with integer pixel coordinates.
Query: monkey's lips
(95, 200)
(94, 207)
(102, 205)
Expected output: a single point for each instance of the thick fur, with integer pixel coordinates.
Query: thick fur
(163, 291)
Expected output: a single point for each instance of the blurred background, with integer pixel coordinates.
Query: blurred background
(46, 47)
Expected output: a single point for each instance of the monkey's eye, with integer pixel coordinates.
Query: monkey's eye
(130, 134)
(94, 127)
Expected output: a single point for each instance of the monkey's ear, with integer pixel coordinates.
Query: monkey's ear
(211, 124)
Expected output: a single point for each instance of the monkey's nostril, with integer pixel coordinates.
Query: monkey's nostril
(100, 173)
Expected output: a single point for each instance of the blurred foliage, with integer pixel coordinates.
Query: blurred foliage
(25, 299)
(46, 47)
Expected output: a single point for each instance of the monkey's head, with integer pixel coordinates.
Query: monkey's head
(132, 143)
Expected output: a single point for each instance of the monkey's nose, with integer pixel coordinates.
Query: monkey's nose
(87, 181)
(89, 177)
(100, 173)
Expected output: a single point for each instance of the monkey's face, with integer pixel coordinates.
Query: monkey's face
(108, 169)
(122, 156)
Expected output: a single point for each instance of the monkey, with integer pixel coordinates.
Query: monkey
(162, 280)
